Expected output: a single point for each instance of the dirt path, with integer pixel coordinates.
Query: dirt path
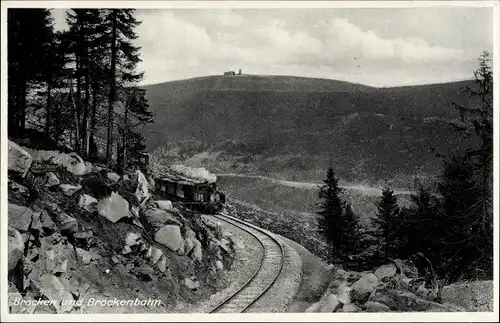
(371, 191)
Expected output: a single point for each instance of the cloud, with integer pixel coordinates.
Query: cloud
(343, 37)
(362, 45)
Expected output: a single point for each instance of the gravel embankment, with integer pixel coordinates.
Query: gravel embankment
(316, 276)
(248, 255)
(284, 289)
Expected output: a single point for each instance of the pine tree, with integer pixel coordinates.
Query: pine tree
(136, 113)
(466, 187)
(29, 34)
(330, 212)
(349, 233)
(124, 57)
(386, 220)
(86, 39)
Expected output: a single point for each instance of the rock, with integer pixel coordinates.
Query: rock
(197, 251)
(137, 223)
(164, 205)
(158, 218)
(170, 236)
(15, 247)
(88, 203)
(371, 306)
(409, 269)
(135, 210)
(74, 164)
(399, 300)
(132, 239)
(115, 260)
(17, 188)
(54, 290)
(219, 265)
(386, 271)
(69, 189)
(19, 217)
(113, 177)
(114, 208)
(328, 304)
(188, 245)
(474, 296)
(51, 180)
(341, 275)
(144, 272)
(362, 288)
(84, 238)
(142, 191)
(313, 308)
(36, 223)
(126, 250)
(60, 266)
(162, 264)
(350, 308)
(48, 226)
(150, 251)
(19, 159)
(68, 224)
(155, 255)
(343, 294)
(191, 284)
(190, 234)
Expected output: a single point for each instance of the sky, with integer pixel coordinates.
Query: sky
(377, 46)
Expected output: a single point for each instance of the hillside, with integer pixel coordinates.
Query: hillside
(291, 125)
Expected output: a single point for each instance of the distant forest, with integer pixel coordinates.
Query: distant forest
(450, 228)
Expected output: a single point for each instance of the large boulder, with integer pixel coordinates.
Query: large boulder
(474, 296)
(19, 159)
(142, 190)
(114, 208)
(52, 288)
(15, 247)
(327, 304)
(386, 271)
(170, 236)
(404, 301)
(158, 218)
(20, 217)
(362, 288)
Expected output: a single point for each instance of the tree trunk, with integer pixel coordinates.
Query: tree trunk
(92, 153)
(22, 109)
(112, 90)
(48, 108)
(124, 139)
(77, 118)
(86, 107)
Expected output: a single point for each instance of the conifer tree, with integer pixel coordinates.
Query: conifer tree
(30, 31)
(330, 212)
(124, 57)
(386, 221)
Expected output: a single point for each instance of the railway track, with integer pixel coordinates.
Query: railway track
(266, 275)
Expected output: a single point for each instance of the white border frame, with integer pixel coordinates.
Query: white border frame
(263, 317)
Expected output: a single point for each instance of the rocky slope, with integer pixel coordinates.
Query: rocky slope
(83, 239)
(400, 286)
